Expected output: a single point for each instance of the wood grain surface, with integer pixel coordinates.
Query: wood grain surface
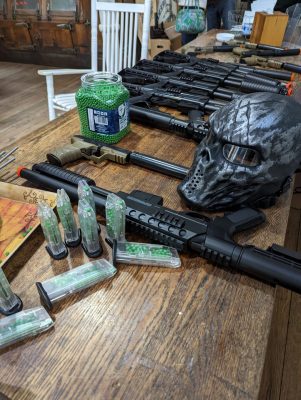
(198, 332)
(291, 385)
(23, 99)
(281, 377)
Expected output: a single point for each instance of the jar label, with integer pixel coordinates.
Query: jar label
(108, 122)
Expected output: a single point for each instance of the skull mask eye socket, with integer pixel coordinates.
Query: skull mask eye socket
(241, 155)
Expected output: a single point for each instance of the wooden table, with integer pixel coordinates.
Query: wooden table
(198, 332)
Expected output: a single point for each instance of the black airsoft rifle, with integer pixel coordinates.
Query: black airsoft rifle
(186, 84)
(173, 98)
(214, 69)
(171, 57)
(195, 104)
(255, 77)
(206, 71)
(238, 71)
(194, 128)
(223, 79)
(212, 239)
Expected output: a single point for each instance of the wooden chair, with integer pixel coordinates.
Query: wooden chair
(119, 27)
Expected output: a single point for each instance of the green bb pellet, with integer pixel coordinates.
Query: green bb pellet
(103, 107)
(147, 254)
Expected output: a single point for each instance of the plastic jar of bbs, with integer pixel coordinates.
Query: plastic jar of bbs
(102, 103)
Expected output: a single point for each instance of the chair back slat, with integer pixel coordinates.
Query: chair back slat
(113, 50)
(121, 40)
(119, 28)
(116, 41)
(129, 62)
(133, 62)
(107, 45)
(104, 37)
(126, 39)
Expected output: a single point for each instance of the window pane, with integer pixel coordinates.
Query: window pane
(26, 4)
(62, 5)
(1, 5)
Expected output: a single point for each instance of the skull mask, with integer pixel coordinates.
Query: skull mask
(249, 155)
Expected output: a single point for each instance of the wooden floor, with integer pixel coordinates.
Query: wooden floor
(23, 107)
(23, 100)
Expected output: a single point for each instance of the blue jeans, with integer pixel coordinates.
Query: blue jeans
(188, 37)
(218, 12)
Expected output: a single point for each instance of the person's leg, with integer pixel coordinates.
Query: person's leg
(226, 7)
(282, 5)
(188, 37)
(213, 20)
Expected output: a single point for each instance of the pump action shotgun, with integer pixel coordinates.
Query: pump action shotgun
(211, 239)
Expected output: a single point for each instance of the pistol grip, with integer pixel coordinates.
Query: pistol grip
(67, 154)
(64, 155)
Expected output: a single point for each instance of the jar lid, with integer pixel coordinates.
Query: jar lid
(100, 78)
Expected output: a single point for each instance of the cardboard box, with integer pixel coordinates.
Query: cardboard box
(174, 42)
(158, 45)
(174, 37)
(269, 28)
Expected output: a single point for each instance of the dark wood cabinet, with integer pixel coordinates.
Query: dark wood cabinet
(48, 32)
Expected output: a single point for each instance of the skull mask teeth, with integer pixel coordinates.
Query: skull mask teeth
(253, 147)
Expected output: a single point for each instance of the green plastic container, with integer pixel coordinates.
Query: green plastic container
(103, 107)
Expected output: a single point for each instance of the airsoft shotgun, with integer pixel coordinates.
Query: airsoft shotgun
(211, 239)
(173, 98)
(185, 83)
(213, 70)
(194, 128)
(196, 73)
(173, 58)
